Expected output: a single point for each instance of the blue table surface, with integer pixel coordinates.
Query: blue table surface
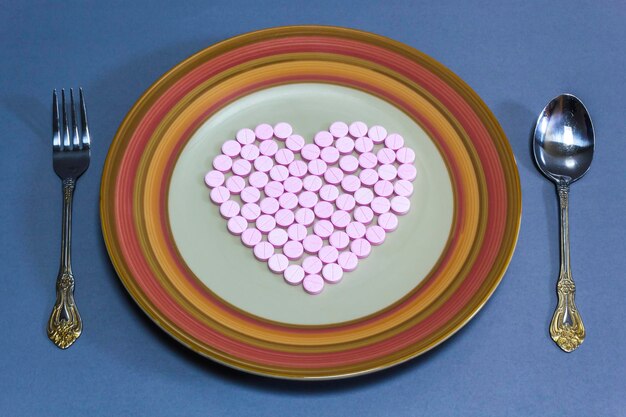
(517, 55)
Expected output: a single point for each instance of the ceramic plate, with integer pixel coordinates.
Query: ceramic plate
(173, 253)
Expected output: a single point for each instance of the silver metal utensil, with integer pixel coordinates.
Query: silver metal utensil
(70, 159)
(563, 146)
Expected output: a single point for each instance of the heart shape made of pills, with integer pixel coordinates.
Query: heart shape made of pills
(312, 210)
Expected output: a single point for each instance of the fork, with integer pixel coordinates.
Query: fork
(70, 159)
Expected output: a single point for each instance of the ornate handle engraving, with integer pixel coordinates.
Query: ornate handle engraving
(65, 325)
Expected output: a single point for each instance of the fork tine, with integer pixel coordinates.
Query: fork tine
(85, 137)
(56, 135)
(75, 141)
(67, 145)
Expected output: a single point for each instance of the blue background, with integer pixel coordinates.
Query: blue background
(517, 55)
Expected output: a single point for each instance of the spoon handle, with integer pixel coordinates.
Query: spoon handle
(566, 328)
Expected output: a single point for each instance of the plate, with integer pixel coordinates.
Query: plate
(171, 249)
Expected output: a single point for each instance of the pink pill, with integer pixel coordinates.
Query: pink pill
(293, 249)
(333, 175)
(293, 185)
(332, 273)
(363, 196)
(405, 155)
(251, 211)
(278, 263)
(242, 167)
(231, 148)
(339, 129)
(263, 131)
(345, 202)
(323, 210)
(349, 164)
(312, 265)
(340, 219)
(246, 136)
(368, 160)
(358, 129)
(277, 237)
(380, 205)
(407, 172)
(250, 152)
(368, 177)
(350, 183)
(307, 199)
(312, 243)
(305, 216)
(363, 144)
(236, 225)
(348, 261)
(387, 172)
(317, 167)
(288, 200)
(265, 223)
(284, 156)
(263, 251)
(330, 155)
(279, 173)
(403, 188)
(251, 237)
(222, 163)
(294, 274)
(323, 139)
(282, 130)
(345, 145)
(284, 217)
(364, 214)
(274, 189)
(310, 152)
(214, 179)
(312, 183)
(220, 194)
(235, 184)
(355, 230)
(377, 134)
(229, 209)
(400, 205)
(298, 168)
(263, 163)
(383, 188)
(258, 179)
(388, 221)
(269, 205)
(394, 141)
(386, 156)
(329, 192)
(313, 284)
(295, 143)
(361, 248)
(268, 147)
(339, 239)
(375, 235)
(328, 254)
(323, 228)
(297, 232)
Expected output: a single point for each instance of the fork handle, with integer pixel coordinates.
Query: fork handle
(65, 324)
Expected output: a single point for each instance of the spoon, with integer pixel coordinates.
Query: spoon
(563, 147)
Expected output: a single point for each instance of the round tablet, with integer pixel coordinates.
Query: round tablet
(380, 205)
(400, 205)
(251, 211)
(236, 225)
(386, 156)
(214, 179)
(263, 163)
(405, 155)
(333, 175)
(268, 147)
(242, 167)
(294, 274)
(355, 230)
(279, 173)
(388, 221)
(313, 284)
(407, 172)
(282, 130)
(363, 196)
(288, 200)
(263, 251)
(403, 188)
(278, 263)
(340, 219)
(307, 199)
(277, 237)
(361, 248)
(349, 163)
(220, 194)
(329, 192)
(251, 237)
(298, 168)
(258, 179)
(332, 273)
(284, 156)
(323, 228)
(363, 144)
(222, 163)
(387, 172)
(375, 235)
(328, 254)
(246, 136)
(358, 129)
(394, 141)
(274, 189)
(305, 216)
(323, 210)
(312, 243)
(250, 152)
(269, 205)
(348, 261)
(383, 188)
(345, 202)
(312, 183)
(292, 184)
(330, 155)
(310, 152)
(345, 145)
(229, 209)
(350, 183)
(235, 184)
(368, 160)
(265, 223)
(377, 133)
(231, 148)
(295, 143)
(323, 139)
(297, 232)
(263, 131)
(339, 239)
(339, 129)
(317, 167)
(293, 249)
(312, 264)
(368, 177)
(364, 214)
(284, 217)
